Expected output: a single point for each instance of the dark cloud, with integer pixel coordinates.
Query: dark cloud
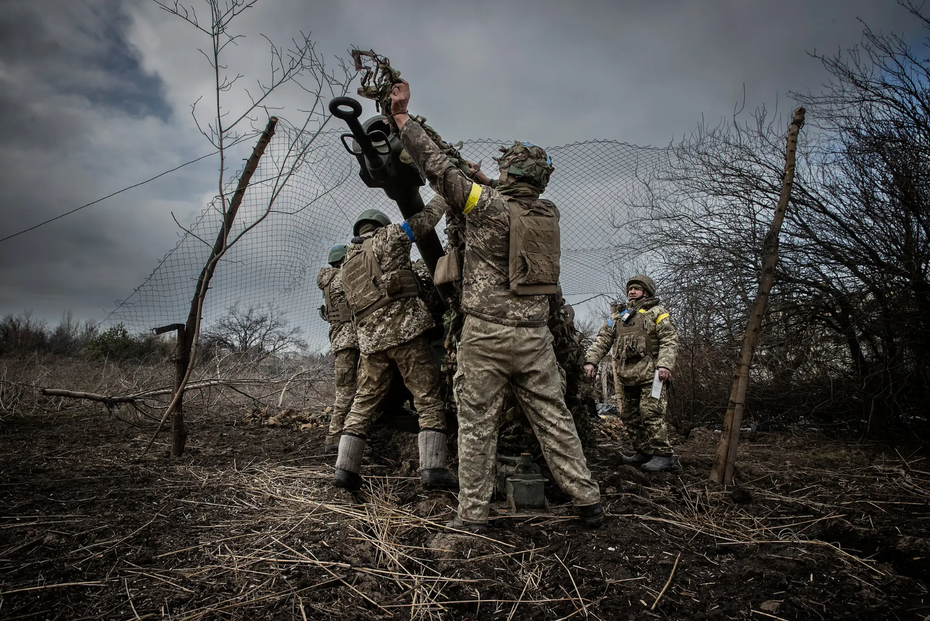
(95, 96)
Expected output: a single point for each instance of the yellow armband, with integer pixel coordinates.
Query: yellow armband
(473, 197)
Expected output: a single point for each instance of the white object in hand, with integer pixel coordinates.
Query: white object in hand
(656, 386)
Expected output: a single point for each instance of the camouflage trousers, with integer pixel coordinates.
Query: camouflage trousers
(644, 419)
(415, 362)
(346, 375)
(490, 356)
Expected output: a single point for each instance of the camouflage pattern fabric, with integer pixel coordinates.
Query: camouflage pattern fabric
(580, 392)
(491, 356)
(644, 419)
(485, 274)
(504, 341)
(569, 345)
(415, 362)
(346, 375)
(428, 292)
(634, 363)
(341, 335)
(401, 320)
(649, 341)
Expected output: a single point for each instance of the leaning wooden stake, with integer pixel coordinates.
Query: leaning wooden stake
(725, 461)
(187, 336)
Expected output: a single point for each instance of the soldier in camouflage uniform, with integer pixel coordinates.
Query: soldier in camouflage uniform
(642, 338)
(569, 347)
(342, 340)
(504, 338)
(391, 328)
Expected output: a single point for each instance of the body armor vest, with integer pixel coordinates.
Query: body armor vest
(368, 288)
(634, 338)
(535, 247)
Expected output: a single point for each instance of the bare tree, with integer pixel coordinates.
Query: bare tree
(299, 67)
(846, 335)
(257, 332)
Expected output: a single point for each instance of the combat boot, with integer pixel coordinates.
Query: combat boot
(660, 463)
(349, 462)
(433, 451)
(592, 515)
(636, 459)
(475, 528)
(331, 445)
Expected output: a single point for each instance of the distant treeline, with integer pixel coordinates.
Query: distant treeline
(22, 335)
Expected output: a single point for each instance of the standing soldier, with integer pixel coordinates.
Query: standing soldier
(643, 339)
(510, 268)
(390, 318)
(342, 340)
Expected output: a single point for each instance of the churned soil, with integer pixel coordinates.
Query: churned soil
(245, 525)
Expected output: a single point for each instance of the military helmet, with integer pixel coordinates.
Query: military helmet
(528, 163)
(648, 285)
(337, 254)
(370, 216)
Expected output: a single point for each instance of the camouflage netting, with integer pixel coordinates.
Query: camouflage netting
(277, 262)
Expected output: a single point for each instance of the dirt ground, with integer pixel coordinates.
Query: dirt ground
(247, 526)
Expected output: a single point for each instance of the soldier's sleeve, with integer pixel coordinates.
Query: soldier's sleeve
(601, 345)
(321, 278)
(460, 192)
(425, 221)
(667, 333)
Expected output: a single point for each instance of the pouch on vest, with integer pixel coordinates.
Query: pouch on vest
(368, 288)
(401, 284)
(448, 268)
(331, 312)
(535, 247)
(361, 276)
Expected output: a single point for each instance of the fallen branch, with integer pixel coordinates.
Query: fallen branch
(146, 394)
(667, 582)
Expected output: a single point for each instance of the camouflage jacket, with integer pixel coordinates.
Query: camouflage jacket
(341, 335)
(648, 340)
(403, 319)
(486, 271)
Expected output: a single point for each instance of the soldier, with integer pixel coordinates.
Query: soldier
(343, 342)
(642, 338)
(569, 352)
(510, 267)
(390, 318)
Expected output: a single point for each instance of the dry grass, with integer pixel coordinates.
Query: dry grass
(245, 527)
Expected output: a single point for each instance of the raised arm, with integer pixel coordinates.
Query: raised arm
(425, 221)
(460, 192)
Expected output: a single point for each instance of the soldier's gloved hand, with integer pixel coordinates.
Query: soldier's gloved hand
(590, 370)
(400, 97)
(665, 374)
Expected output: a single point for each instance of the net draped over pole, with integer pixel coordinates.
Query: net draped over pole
(276, 263)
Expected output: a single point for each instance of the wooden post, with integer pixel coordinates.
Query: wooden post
(181, 362)
(725, 460)
(188, 333)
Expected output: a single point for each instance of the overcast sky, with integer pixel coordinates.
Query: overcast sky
(95, 95)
